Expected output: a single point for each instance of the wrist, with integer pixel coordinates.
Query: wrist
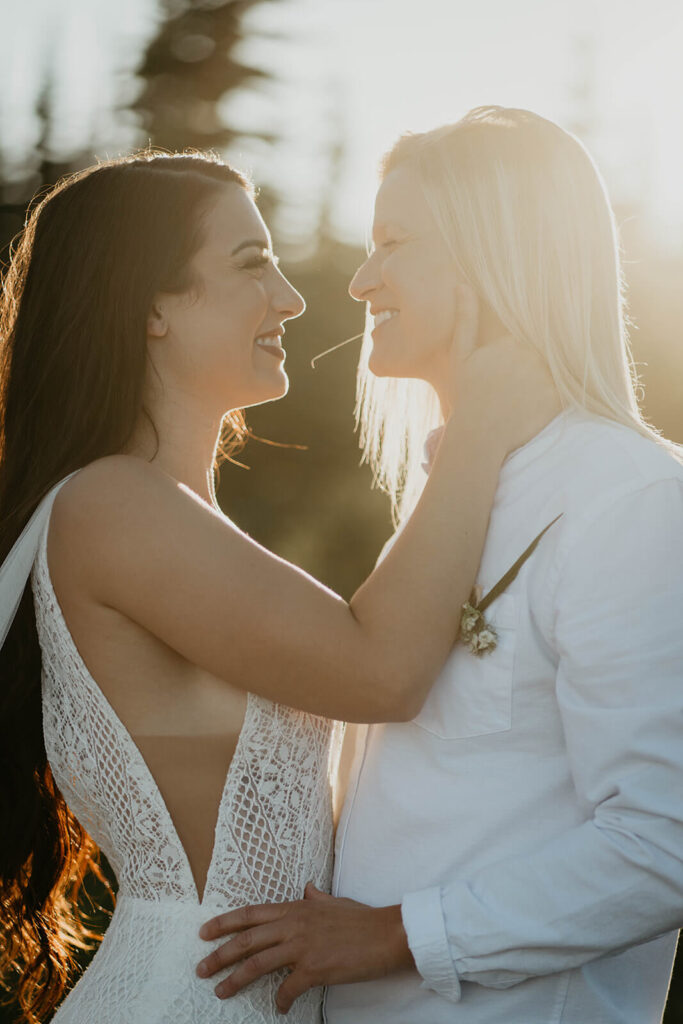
(398, 950)
(483, 439)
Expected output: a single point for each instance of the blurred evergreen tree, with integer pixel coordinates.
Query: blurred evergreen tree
(188, 68)
(39, 168)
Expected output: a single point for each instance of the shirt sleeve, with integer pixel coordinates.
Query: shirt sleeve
(616, 879)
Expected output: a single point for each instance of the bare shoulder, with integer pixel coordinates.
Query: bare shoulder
(113, 481)
(103, 508)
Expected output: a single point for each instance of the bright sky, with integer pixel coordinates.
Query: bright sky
(370, 69)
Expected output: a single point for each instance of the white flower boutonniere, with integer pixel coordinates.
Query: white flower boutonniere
(475, 632)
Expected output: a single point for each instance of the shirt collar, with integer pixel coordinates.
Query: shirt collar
(521, 457)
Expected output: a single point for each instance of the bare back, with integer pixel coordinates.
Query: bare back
(184, 721)
(182, 769)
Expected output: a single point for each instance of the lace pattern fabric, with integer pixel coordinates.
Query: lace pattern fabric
(273, 834)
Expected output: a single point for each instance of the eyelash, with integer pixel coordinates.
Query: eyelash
(258, 262)
(390, 243)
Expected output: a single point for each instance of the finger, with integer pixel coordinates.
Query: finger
(294, 985)
(237, 920)
(242, 945)
(467, 320)
(255, 967)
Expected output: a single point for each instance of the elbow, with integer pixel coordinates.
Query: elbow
(392, 688)
(407, 706)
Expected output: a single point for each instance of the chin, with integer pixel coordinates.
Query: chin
(383, 365)
(281, 391)
(276, 390)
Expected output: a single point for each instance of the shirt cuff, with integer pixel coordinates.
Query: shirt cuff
(425, 927)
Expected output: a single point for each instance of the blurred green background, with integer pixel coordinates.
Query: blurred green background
(188, 79)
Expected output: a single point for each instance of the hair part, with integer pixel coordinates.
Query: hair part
(526, 217)
(73, 359)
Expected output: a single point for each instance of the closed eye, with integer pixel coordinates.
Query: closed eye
(261, 260)
(389, 244)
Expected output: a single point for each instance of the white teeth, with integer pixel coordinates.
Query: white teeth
(386, 314)
(270, 341)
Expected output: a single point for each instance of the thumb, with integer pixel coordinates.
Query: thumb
(466, 321)
(312, 893)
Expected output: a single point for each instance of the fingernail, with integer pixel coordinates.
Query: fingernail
(203, 971)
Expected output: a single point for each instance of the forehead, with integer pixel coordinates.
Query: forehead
(234, 218)
(400, 202)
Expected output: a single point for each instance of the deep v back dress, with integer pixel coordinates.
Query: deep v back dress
(273, 834)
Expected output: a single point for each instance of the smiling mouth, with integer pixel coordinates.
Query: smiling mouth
(385, 315)
(271, 343)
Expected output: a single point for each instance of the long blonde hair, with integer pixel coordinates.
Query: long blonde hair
(525, 214)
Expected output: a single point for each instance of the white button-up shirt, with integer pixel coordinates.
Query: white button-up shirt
(530, 819)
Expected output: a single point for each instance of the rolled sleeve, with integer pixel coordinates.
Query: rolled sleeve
(616, 879)
(425, 927)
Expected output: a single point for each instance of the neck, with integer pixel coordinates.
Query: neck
(184, 445)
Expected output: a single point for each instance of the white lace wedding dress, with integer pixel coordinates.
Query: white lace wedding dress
(273, 834)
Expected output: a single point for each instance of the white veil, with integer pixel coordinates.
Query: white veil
(16, 568)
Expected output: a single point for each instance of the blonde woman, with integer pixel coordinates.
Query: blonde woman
(528, 822)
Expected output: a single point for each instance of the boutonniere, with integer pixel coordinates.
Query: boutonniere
(475, 632)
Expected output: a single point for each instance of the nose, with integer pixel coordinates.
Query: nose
(287, 301)
(364, 282)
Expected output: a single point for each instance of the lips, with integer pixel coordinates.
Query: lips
(271, 341)
(272, 344)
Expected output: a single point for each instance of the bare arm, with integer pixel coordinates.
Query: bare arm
(153, 551)
(141, 543)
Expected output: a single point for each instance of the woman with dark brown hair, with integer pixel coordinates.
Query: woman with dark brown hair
(147, 691)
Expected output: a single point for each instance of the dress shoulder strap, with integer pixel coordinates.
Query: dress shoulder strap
(16, 568)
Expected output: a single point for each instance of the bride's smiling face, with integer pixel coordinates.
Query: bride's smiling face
(408, 281)
(222, 339)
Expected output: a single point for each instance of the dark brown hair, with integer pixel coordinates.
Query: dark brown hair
(73, 356)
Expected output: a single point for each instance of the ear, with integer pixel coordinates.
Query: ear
(157, 324)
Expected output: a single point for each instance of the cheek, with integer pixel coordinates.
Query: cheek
(243, 308)
(425, 297)
(219, 332)
(418, 284)
(231, 324)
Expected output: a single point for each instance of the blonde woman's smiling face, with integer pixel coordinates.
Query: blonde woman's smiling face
(408, 280)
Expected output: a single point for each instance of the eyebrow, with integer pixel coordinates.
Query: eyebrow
(258, 242)
(388, 228)
(385, 225)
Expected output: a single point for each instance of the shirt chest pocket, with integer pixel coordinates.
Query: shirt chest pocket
(472, 696)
